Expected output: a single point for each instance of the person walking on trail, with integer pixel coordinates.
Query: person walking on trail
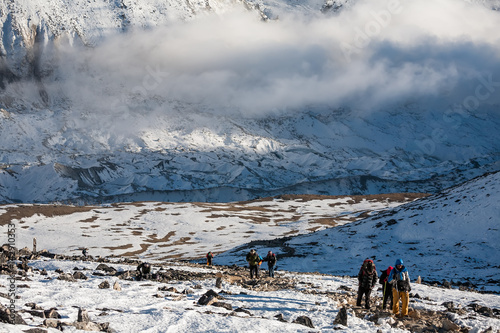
(271, 262)
(254, 261)
(386, 288)
(210, 256)
(144, 270)
(367, 278)
(399, 278)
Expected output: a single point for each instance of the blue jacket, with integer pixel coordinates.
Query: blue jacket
(399, 278)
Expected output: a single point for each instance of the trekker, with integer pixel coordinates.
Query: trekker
(254, 260)
(210, 256)
(144, 270)
(399, 278)
(367, 278)
(271, 262)
(386, 287)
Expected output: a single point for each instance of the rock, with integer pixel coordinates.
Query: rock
(341, 317)
(79, 276)
(116, 286)
(36, 313)
(6, 316)
(35, 330)
(226, 306)
(52, 313)
(485, 311)
(448, 305)
(280, 317)
(449, 325)
(169, 289)
(244, 311)
(209, 297)
(104, 285)
(25, 251)
(304, 320)
(346, 288)
(218, 282)
(83, 316)
(66, 277)
(414, 314)
(90, 326)
(105, 268)
(51, 323)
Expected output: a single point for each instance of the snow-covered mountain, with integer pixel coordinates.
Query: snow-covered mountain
(225, 100)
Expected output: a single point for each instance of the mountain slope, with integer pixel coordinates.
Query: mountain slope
(448, 236)
(323, 152)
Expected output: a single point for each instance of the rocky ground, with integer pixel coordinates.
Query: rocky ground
(417, 321)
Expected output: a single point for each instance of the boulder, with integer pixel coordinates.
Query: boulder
(83, 316)
(449, 325)
(66, 277)
(341, 318)
(218, 282)
(52, 313)
(108, 269)
(6, 316)
(208, 298)
(226, 306)
(35, 330)
(79, 276)
(280, 317)
(304, 320)
(116, 286)
(52, 323)
(104, 285)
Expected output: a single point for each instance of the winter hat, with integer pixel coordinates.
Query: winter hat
(399, 262)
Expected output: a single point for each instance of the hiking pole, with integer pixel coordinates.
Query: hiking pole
(383, 299)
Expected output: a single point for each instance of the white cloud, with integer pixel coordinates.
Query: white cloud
(400, 50)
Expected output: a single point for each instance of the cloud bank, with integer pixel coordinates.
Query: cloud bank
(375, 54)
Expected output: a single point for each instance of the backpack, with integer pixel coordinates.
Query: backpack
(385, 275)
(272, 259)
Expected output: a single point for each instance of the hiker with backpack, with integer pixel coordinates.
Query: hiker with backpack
(271, 262)
(386, 287)
(254, 261)
(210, 256)
(399, 278)
(367, 278)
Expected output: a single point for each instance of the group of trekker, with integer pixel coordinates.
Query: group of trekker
(254, 261)
(395, 280)
(395, 283)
